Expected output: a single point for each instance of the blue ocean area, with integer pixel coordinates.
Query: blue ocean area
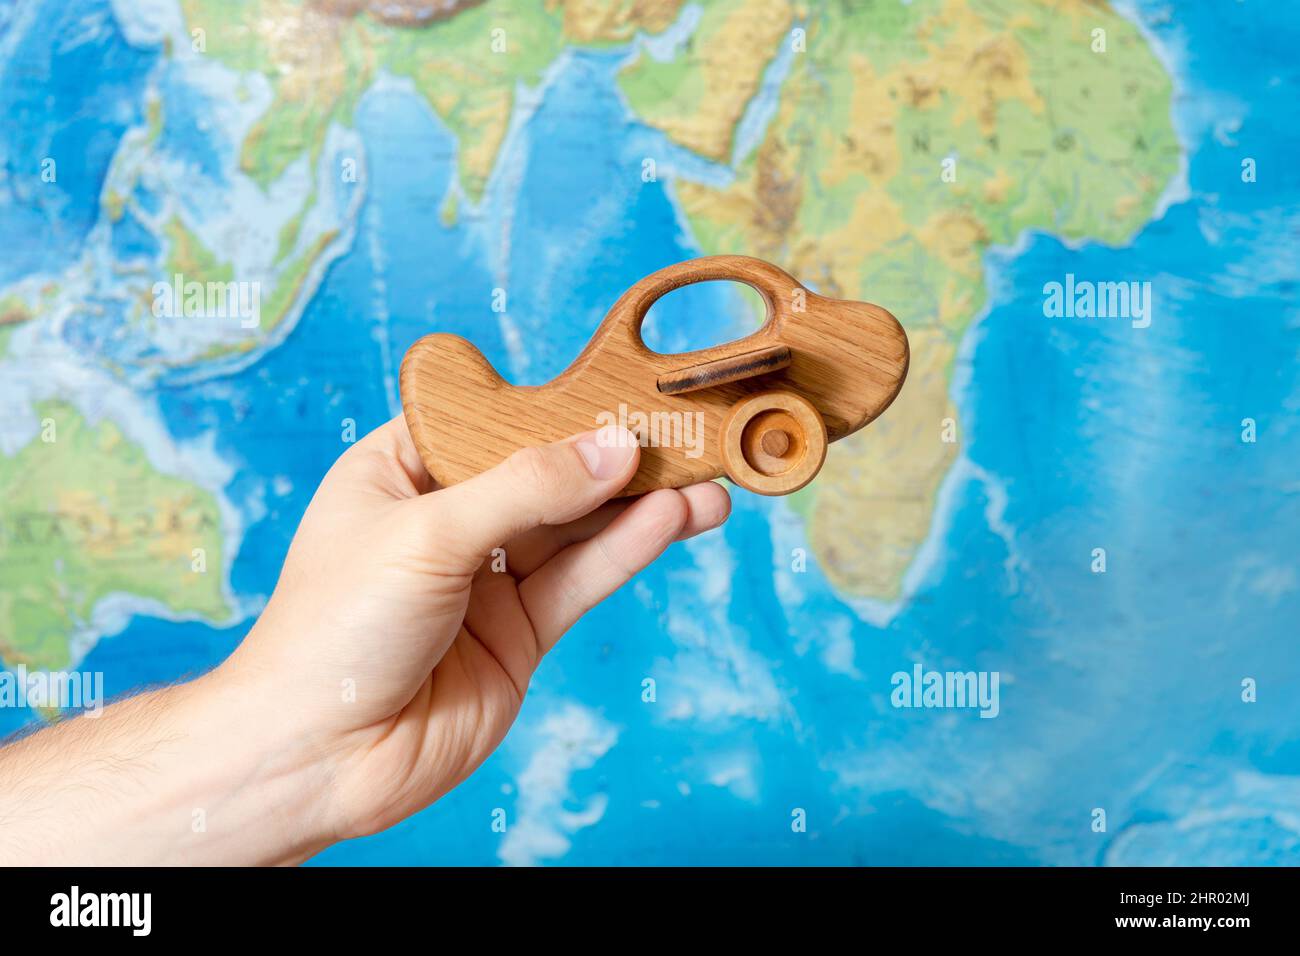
(52, 114)
(131, 240)
(187, 129)
(1120, 691)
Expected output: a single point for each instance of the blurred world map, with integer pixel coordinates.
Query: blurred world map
(1101, 509)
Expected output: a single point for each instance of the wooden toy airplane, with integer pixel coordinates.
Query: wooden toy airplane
(760, 409)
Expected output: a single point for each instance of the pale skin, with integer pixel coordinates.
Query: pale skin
(390, 661)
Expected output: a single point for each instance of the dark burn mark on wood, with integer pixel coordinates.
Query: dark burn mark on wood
(724, 370)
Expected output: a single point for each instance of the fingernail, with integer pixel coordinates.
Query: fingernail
(607, 451)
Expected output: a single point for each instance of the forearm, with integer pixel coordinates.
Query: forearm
(199, 773)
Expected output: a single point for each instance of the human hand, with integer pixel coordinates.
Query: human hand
(399, 643)
(390, 661)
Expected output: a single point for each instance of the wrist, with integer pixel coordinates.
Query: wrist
(259, 787)
(201, 773)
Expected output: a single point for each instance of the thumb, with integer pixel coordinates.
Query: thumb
(545, 485)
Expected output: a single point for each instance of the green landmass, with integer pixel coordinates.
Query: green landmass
(849, 190)
(190, 258)
(319, 63)
(85, 516)
(699, 96)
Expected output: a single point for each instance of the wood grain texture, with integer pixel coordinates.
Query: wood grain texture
(847, 359)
